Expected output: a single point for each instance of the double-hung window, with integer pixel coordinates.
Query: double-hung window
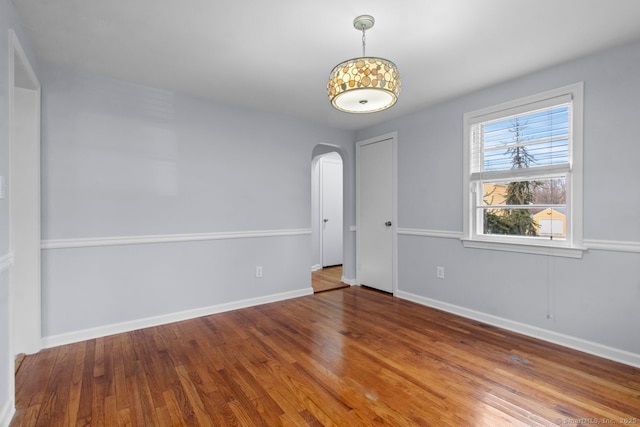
(523, 174)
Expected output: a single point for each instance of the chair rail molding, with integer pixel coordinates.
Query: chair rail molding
(593, 244)
(168, 238)
(430, 233)
(612, 245)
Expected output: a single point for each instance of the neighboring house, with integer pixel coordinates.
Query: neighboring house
(494, 194)
(551, 222)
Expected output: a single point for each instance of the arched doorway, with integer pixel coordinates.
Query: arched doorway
(327, 217)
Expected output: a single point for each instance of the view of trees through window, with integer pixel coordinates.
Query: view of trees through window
(545, 216)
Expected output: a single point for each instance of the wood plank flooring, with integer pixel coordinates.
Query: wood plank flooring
(327, 279)
(350, 357)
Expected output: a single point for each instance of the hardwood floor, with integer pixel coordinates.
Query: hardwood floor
(349, 357)
(327, 279)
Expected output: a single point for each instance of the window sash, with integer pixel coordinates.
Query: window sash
(509, 112)
(486, 143)
(478, 207)
(530, 173)
(531, 206)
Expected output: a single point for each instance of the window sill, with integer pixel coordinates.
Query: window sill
(560, 251)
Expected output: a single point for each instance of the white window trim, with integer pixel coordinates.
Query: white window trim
(573, 246)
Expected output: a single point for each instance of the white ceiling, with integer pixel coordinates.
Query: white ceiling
(276, 55)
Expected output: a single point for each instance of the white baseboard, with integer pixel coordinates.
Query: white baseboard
(590, 347)
(350, 282)
(7, 413)
(316, 267)
(102, 331)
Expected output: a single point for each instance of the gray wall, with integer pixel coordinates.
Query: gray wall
(595, 298)
(124, 160)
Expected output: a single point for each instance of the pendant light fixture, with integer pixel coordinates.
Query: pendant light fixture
(364, 85)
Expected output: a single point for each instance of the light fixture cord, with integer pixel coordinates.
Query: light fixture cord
(364, 40)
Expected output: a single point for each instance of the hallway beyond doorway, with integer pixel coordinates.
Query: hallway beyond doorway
(327, 279)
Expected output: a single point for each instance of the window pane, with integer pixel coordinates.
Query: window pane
(552, 191)
(539, 138)
(539, 191)
(535, 208)
(512, 222)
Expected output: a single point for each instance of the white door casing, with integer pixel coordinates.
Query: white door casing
(24, 199)
(331, 206)
(376, 184)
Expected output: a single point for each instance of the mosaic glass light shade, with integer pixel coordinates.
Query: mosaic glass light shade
(364, 85)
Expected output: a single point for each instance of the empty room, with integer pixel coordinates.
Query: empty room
(334, 213)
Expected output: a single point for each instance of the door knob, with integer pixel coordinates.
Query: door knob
(388, 223)
(325, 220)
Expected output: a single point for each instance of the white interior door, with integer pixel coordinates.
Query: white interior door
(376, 213)
(331, 218)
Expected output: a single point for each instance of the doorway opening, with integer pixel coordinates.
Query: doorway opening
(327, 222)
(327, 279)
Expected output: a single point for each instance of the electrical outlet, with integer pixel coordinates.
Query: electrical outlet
(258, 271)
(440, 272)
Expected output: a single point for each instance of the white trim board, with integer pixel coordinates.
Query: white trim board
(350, 282)
(430, 233)
(167, 238)
(25, 99)
(590, 347)
(612, 245)
(103, 331)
